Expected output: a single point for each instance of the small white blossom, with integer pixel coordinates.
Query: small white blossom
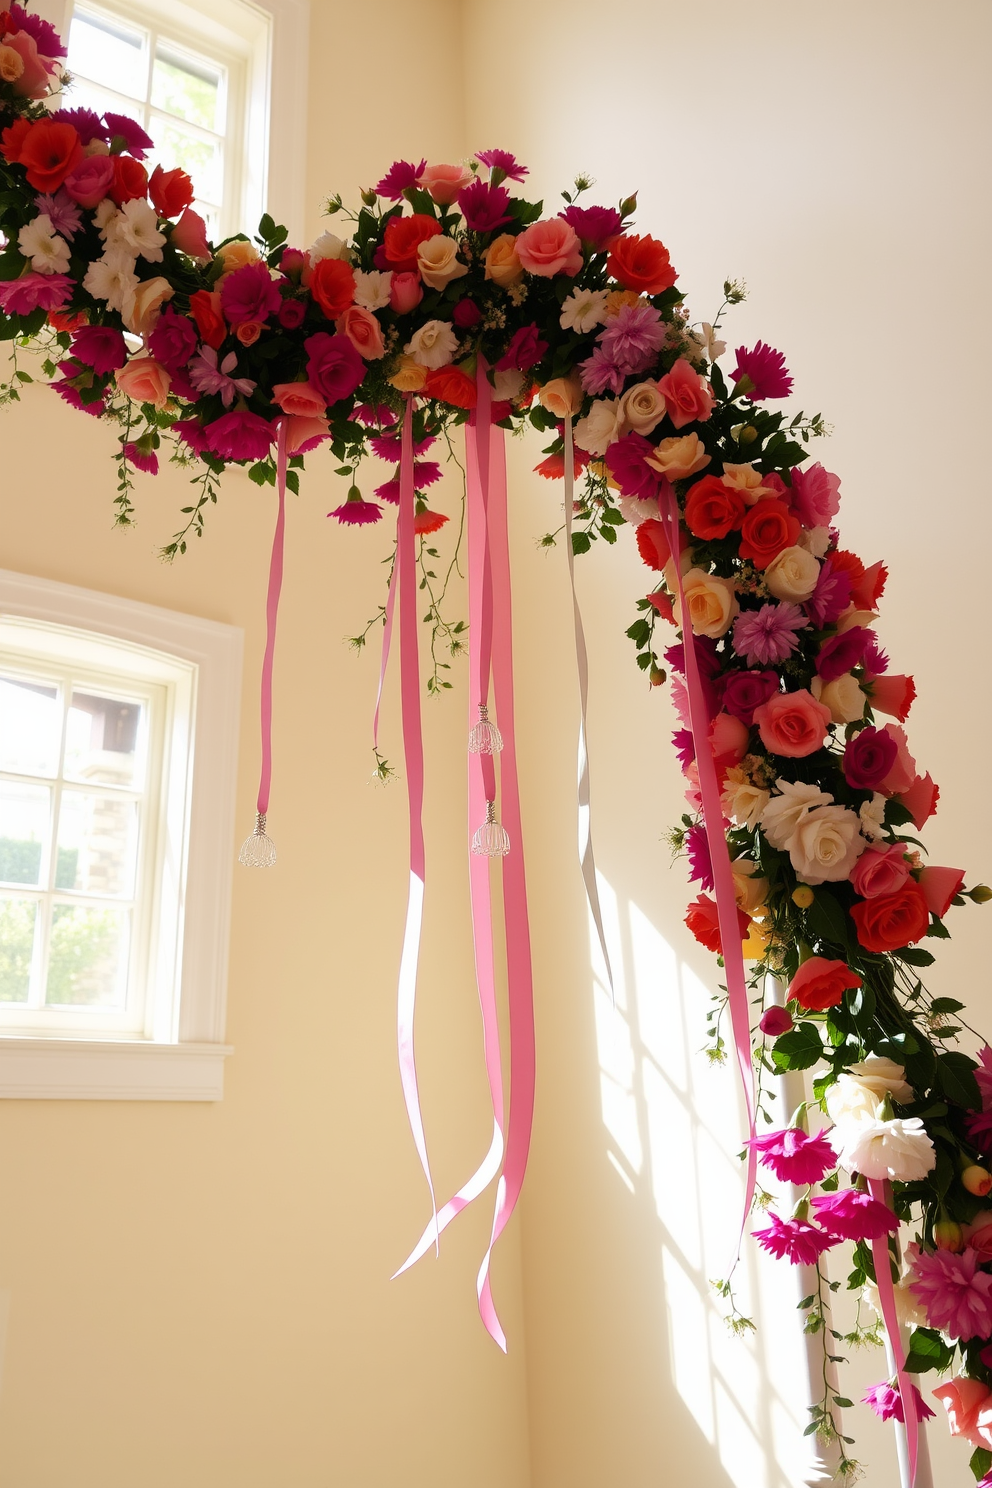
(872, 816)
(49, 254)
(372, 289)
(112, 278)
(136, 229)
(584, 310)
(329, 245)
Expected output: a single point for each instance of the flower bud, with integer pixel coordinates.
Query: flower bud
(656, 676)
(628, 205)
(802, 896)
(748, 434)
(977, 1181)
(980, 894)
(369, 197)
(948, 1235)
(775, 1021)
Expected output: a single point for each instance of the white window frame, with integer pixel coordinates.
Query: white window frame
(179, 1054)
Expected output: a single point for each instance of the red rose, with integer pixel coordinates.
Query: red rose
(703, 920)
(892, 920)
(652, 544)
(713, 509)
(130, 180)
(451, 385)
(50, 152)
(641, 264)
(13, 138)
(332, 285)
(820, 983)
(170, 191)
(403, 237)
(662, 605)
(205, 309)
(768, 528)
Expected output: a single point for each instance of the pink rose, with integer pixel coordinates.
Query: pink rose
(921, 799)
(190, 235)
(728, 740)
(940, 886)
(548, 248)
(405, 292)
(965, 1401)
(299, 399)
(363, 331)
(792, 724)
(978, 1234)
(444, 182)
(903, 772)
(880, 870)
(34, 80)
(144, 380)
(304, 434)
(91, 181)
(688, 396)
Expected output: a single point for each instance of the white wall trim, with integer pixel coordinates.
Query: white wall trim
(91, 1069)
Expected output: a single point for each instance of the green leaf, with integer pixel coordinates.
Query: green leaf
(259, 473)
(980, 1462)
(956, 1078)
(927, 1350)
(580, 543)
(799, 1048)
(914, 956)
(826, 918)
(612, 516)
(942, 1005)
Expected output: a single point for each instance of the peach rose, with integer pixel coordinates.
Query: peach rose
(142, 308)
(750, 889)
(792, 575)
(444, 182)
(642, 407)
(843, 696)
(438, 263)
(968, 1404)
(503, 266)
(978, 1234)
(304, 433)
(11, 64)
(550, 247)
(562, 396)
(363, 331)
(792, 724)
(409, 376)
(299, 399)
(235, 255)
(903, 771)
(617, 299)
(248, 332)
(143, 380)
(747, 480)
(679, 457)
(711, 601)
(190, 235)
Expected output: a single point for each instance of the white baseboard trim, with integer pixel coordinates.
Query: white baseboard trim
(125, 1069)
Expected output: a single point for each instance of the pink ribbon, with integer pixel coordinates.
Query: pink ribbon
(713, 823)
(271, 618)
(882, 1191)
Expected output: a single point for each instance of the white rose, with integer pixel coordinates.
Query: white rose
(372, 289)
(815, 540)
(433, 345)
(583, 310)
(712, 603)
(843, 696)
(898, 1150)
(642, 407)
(826, 844)
(872, 816)
(328, 245)
(437, 260)
(742, 800)
(884, 1077)
(792, 575)
(636, 511)
(849, 1100)
(600, 428)
(785, 811)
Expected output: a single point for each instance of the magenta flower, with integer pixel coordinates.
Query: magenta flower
(401, 176)
(886, 1401)
(868, 758)
(700, 864)
(594, 225)
(633, 337)
(875, 661)
(61, 211)
(141, 460)
(841, 652)
(334, 367)
(389, 491)
(524, 351)
(627, 462)
(684, 746)
(851, 1215)
(502, 160)
(815, 495)
(87, 124)
(35, 292)
(208, 377)
(466, 314)
(983, 1074)
(767, 636)
(357, 513)
(174, 339)
(484, 206)
(766, 371)
(70, 395)
(379, 417)
(390, 446)
(794, 1156)
(957, 1295)
(249, 294)
(599, 374)
(794, 1239)
(292, 313)
(745, 691)
(136, 141)
(775, 1021)
(831, 596)
(46, 37)
(100, 347)
(240, 435)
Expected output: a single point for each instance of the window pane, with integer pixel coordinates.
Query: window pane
(200, 158)
(25, 817)
(17, 922)
(98, 840)
(101, 100)
(108, 51)
(30, 727)
(188, 87)
(87, 965)
(104, 740)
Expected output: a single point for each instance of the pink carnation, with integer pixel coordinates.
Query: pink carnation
(627, 461)
(886, 1401)
(35, 292)
(765, 368)
(956, 1294)
(240, 435)
(249, 294)
(851, 1215)
(795, 1157)
(815, 495)
(799, 1242)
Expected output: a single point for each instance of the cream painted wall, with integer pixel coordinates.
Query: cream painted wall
(834, 157)
(200, 1295)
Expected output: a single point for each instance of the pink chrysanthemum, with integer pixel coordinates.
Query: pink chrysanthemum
(400, 177)
(599, 374)
(957, 1295)
(886, 1401)
(765, 369)
(357, 513)
(767, 636)
(141, 460)
(61, 211)
(831, 596)
(504, 161)
(633, 337)
(794, 1156)
(851, 1215)
(794, 1239)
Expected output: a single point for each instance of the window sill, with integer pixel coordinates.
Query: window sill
(121, 1069)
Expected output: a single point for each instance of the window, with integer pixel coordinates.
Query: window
(117, 742)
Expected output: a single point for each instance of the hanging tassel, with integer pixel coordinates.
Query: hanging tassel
(491, 841)
(258, 850)
(485, 737)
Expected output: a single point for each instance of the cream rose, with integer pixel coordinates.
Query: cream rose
(843, 696)
(826, 845)
(679, 457)
(562, 396)
(748, 482)
(897, 1150)
(437, 260)
(786, 810)
(503, 266)
(600, 428)
(711, 601)
(235, 255)
(432, 345)
(848, 1100)
(143, 305)
(852, 617)
(882, 1077)
(742, 800)
(642, 407)
(792, 575)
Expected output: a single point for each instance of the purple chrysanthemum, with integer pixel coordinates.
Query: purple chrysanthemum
(767, 636)
(141, 459)
(765, 369)
(831, 596)
(794, 1156)
(886, 1401)
(633, 337)
(956, 1293)
(61, 211)
(400, 177)
(700, 864)
(357, 513)
(503, 161)
(136, 141)
(794, 1239)
(851, 1215)
(598, 374)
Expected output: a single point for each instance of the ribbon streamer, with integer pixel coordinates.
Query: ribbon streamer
(723, 880)
(882, 1191)
(587, 858)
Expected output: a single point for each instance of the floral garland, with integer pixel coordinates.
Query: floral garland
(144, 323)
